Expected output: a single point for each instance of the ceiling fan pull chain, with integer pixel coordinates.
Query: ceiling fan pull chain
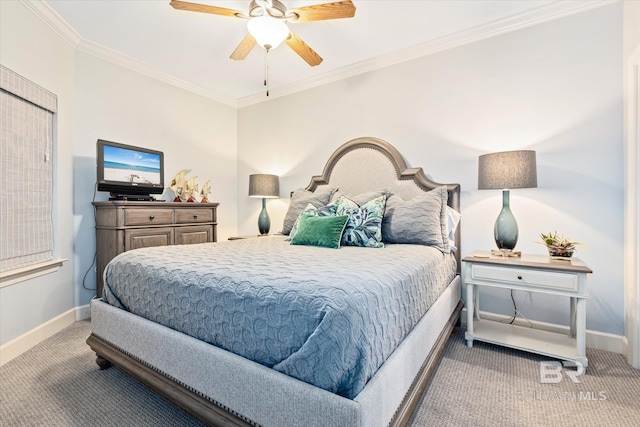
(266, 69)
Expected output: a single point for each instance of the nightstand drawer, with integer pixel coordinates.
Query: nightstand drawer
(524, 276)
(148, 216)
(185, 216)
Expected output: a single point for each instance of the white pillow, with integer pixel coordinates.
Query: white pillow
(453, 219)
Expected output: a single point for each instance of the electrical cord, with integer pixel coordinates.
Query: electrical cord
(95, 254)
(516, 312)
(87, 273)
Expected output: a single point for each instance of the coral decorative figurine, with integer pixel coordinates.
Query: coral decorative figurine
(190, 189)
(177, 185)
(205, 191)
(186, 189)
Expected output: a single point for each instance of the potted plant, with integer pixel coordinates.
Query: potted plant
(558, 246)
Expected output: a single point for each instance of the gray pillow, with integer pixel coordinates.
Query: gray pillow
(299, 200)
(421, 220)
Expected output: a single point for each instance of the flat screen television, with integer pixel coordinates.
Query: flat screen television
(129, 172)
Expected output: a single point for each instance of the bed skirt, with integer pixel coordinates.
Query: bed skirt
(256, 395)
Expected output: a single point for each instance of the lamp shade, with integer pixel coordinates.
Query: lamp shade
(507, 170)
(264, 185)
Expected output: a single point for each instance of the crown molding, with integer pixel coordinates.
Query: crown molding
(53, 20)
(531, 18)
(50, 17)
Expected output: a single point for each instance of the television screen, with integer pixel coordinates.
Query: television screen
(132, 166)
(126, 169)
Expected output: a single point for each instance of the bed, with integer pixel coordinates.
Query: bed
(346, 337)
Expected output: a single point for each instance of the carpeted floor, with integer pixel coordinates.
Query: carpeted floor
(489, 385)
(57, 383)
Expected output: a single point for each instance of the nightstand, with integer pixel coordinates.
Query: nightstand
(530, 273)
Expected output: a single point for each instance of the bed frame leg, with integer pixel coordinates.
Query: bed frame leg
(102, 363)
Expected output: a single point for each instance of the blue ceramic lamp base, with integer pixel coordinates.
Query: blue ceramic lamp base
(264, 223)
(506, 229)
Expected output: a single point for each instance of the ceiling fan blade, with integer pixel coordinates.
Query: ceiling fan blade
(195, 7)
(302, 49)
(243, 48)
(319, 12)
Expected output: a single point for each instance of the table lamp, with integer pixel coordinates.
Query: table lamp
(267, 187)
(507, 170)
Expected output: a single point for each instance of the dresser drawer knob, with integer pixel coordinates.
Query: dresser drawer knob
(151, 217)
(519, 277)
(195, 217)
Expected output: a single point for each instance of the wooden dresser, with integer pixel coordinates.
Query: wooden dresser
(123, 225)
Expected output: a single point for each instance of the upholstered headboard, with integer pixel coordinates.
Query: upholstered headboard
(367, 164)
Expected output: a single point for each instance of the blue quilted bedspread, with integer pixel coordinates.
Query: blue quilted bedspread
(325, 316)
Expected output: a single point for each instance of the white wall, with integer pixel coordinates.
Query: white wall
(631, 16)
(120, 105)
(631, 79)
(97, 99)
(554, 88)
(34, 50)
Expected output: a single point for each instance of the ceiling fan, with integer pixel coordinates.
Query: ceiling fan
(267, 24)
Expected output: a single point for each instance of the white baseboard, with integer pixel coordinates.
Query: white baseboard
(595, 339)
(24, 342)
(626, 349)
(83, 312)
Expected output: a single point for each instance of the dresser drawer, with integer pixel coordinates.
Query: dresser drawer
(148, 237)
(187, 215)
(524, 276)
(148, 217)
(194, 234)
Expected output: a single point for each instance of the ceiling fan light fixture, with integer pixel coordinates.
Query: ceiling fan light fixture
(268, 32)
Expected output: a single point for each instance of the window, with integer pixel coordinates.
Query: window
(26, 173)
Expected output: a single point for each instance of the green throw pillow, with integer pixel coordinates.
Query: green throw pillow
(329, 210)
(324, 231)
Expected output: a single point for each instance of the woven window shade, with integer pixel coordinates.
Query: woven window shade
(26, 172)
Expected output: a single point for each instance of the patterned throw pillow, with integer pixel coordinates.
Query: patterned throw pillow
(360, 199)
(364, 227)
(329, 210)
